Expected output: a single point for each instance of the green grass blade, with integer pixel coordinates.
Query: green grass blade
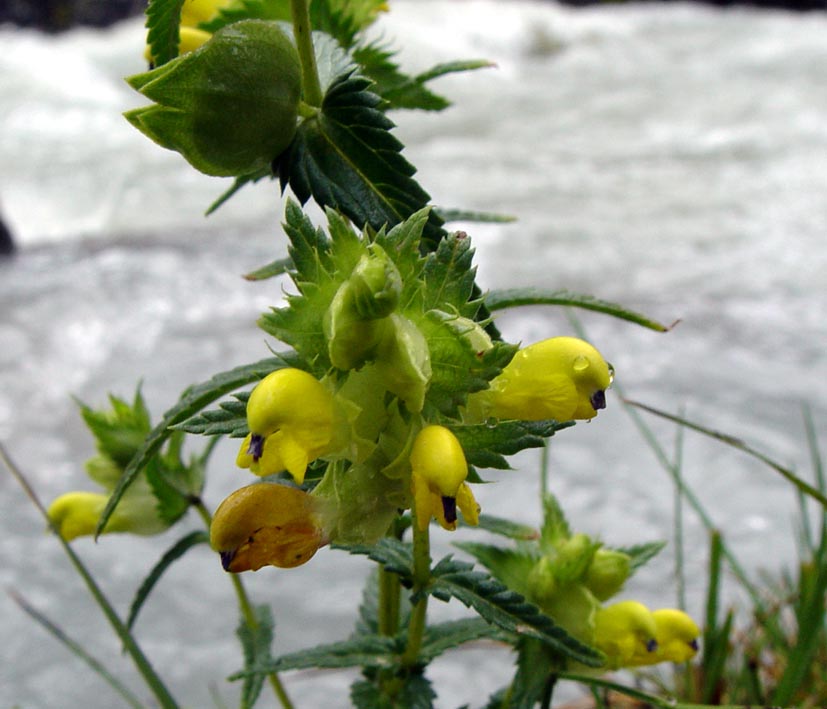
(78, 650)
(737, 443)
(153, 681)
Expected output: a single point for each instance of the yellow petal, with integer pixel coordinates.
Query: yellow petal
(677, 635)
(468, 505)
(266, 524)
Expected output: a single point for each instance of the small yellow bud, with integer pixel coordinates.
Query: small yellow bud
(438, 477)
(76, 514)
(607, 573)
(267, 524)
(562, 378)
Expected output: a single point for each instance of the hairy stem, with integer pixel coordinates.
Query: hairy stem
(421, 578)
(302, 32)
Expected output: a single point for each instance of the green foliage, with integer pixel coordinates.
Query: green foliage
(256, 635)
(346, 158)
(162, 18)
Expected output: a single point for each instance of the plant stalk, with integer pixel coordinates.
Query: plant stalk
(421, 578)
(153, 681)
(302, 32)
(248, 614)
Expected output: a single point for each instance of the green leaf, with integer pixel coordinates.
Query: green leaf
(394, 555)
(181, 547)
(410, 92)
(162, 20)
(192, 401)
(346, 158)
(555, 527)
(535, 664)
(642, 553)
(256, 639)
(514, 297)
(271, 270)
(485, 445)
(364, 651)
(506, 609)
(449, 276)
(415, 693)
(511, 566)
(229, 419)
(118, 432)
(446, 636)
(449, 214)
(507, 528)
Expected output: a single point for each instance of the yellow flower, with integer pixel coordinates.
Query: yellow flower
(677, 635)
(562, 378)
(290, 415)
(76, 514)
(267, 524)
(626, 632)
(438, 477)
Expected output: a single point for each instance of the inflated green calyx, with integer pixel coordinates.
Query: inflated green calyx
(229, 107)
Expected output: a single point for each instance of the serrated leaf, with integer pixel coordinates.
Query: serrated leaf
(192, 401)
(414, 693)
(364, 651)
(507, 528)
(485, 445)
(170, 502)
(511, 566)
(181, 547)
(229, 419)
(449, 276)
(535, 663)
(514, 297)
(396, 556)
(642, 553)
(271, 270)
(346, 158)
(120, 431)
(163, 18)
(505, 608)
(446, 636)
(456, 368)
(256, 639)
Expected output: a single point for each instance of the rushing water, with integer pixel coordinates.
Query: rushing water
(672, 158)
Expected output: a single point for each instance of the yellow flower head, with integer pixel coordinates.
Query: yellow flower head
(290, 415)
(626, 633)
(267, 524)
(562, 378)
(677, 635)
(194, 12)
(438, 477)
(76, 514)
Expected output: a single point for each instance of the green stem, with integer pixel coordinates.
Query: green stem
(421, 579)
(389, 596)
(302, 32)
(153, 681)
(248, 613)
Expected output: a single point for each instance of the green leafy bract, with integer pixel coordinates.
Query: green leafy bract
(162, 20)
(346, 158)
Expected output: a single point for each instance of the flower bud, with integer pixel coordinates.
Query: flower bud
(562, 378)
(290, 414)
(607, 573)
(439, 470)
(573, 556)
(77, 514)
(541, 581)
(355, 321)
(403, 361)
(267, 524)
(229, 107)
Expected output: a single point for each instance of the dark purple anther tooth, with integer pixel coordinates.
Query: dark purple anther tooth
(227, 559)
(449, 508)
(598, 400)
(652, 645)
(256, 447)
(694, 645)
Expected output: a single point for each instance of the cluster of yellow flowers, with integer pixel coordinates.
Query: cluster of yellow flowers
(294, 419)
